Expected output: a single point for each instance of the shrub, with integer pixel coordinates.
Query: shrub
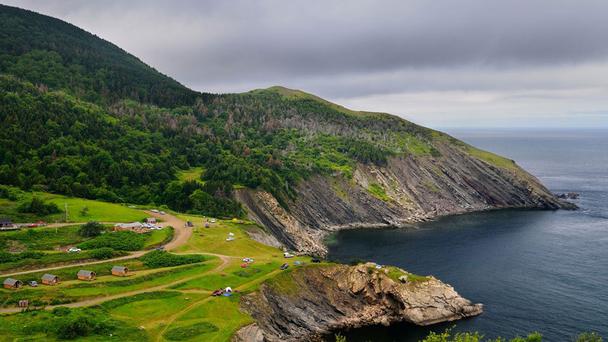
(102, 253)
(120, 241)
(90, 229)
(589, 337)
(38, 207)
(164, 259)
(78, 324)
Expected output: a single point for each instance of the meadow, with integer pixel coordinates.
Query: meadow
(160, 300)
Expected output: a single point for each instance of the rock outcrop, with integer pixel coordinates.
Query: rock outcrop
(413, 189)
(313, 301)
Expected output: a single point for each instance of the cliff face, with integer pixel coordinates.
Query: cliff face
(312, 301)
(406, 190)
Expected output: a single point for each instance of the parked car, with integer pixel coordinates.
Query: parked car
(217, 292)
(162, 213)
(248, 260)
(315, 260)
(287, 255)
(160, 248)
(74, 250)
(284, 267)
(33, 283)
(154, 210)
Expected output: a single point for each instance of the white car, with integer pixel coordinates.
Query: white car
(162, 213)
(213, 221)
(288, 255)
(74, 250)
(248, 260)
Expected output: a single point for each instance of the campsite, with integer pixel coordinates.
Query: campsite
(145, 293)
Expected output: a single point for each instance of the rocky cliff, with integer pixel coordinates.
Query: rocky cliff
(313, 301)
(407, 189)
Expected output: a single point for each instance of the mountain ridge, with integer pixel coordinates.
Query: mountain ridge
(82, 117)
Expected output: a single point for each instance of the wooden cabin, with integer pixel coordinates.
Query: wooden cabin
(50, 279)
(10, 283)
(120, 271)
(86, 275)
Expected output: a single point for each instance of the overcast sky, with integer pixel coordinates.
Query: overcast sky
(443, 64)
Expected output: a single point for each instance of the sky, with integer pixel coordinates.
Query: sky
(443, 64)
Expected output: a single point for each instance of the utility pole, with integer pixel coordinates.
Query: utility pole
(66, 212)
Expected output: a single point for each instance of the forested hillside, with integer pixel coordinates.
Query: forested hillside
(57, 55)
(82, 117)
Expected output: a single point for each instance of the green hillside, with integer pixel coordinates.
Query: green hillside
(57, 55)
(81, 117)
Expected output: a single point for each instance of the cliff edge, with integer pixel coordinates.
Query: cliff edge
(313, 301)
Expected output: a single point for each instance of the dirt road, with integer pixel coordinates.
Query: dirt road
(180, 237)
(181, 233)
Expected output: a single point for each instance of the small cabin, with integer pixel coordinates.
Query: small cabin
(50, 279)
(10, 283)
(150, 220)
(120, 271)
(86, 275)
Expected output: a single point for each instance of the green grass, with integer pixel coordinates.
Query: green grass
(42, 326)
(159, 237)
(378, 191)
(213, 240)
(233, 276)
(187, 332)
(222, 312)
(97, 210)
(493, 159)
(70, 289)
(40, 238)
(192, 174)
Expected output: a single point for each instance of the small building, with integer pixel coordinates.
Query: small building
(189, 224)
(136, 227)
(120, 271)
(150, 220)
(6, 223)
(50, 279)
(10, 283)
(86, 275)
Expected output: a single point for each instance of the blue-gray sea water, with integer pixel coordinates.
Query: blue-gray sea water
(544, 271)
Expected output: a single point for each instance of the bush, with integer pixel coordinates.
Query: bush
(589, 337)
(38, 207)
(91, 229)
(10, 257)
(78, 324)
(163, 259)
(120, 241)
(102, 253)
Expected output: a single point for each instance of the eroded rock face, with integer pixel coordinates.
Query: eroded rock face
(312, 301)
(416, 189)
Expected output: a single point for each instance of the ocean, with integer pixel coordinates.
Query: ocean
(544, 271)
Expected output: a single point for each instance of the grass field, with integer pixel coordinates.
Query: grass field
(192, 174)
(96, 210)
(163, 304)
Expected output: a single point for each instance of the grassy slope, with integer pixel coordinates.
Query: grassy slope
(97, 210)
(188, 305)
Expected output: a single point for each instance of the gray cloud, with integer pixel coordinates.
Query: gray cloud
(360, 50)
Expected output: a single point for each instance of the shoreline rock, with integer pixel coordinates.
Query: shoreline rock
(312, 301)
